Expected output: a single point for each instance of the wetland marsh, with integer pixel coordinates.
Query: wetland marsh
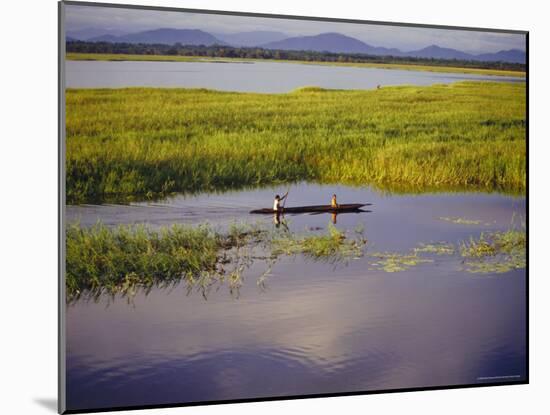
(200, 299)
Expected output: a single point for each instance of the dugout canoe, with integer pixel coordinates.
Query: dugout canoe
(349, 207)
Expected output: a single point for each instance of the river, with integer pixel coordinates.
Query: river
(311, 326)
(264, 77)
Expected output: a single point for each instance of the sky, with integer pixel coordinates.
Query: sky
(404, 38)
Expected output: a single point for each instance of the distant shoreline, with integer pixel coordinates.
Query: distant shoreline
(74, 56)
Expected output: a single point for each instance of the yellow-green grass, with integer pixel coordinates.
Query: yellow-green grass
(149, 141)
(333, 247)
(402, 66)
(427, 68)
(496, 252)
(121, 259)
(102, 258)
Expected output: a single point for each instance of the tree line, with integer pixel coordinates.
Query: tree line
(215, 51)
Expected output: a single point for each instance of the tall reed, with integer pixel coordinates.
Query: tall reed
(142, 142)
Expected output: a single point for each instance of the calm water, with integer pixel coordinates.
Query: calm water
(249, 77)
(315, 327)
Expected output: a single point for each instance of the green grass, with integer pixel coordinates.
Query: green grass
(334, 246)
(424, 68)
(122, 259)
(101, 258)
(496, 252)
(493, 243)
(115, 57)
(145, 142)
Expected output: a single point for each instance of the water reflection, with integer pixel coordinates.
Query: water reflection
(312, 332)
(279, 219)
(315, 326)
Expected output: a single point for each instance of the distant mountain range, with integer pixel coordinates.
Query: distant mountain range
(324, 42)
(164, 36)
(250, 39)
(338, 43)
(330, 42)
(90, 32)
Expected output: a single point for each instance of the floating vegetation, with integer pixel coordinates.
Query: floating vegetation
(440, 248)
(491, 252)
(395, 262)
(122, 260)
(494, 267)
(495, 252)
(334, 246)
(102, 260)
(493, 243)
(461, 221)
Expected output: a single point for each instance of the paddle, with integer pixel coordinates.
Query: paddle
(286, 197)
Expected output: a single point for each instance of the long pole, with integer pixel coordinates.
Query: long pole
(284, 203)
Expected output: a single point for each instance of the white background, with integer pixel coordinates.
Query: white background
(28, 178)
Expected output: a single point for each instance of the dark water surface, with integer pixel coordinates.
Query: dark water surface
(266, 77)
(315, 327)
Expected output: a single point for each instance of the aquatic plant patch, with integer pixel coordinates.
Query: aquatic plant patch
(118, 260)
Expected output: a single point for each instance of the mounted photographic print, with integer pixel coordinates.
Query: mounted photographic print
(259, 207)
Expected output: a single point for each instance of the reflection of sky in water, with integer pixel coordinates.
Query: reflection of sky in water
(317, 327)
(266, 77)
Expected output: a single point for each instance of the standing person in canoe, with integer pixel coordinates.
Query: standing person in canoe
(333, 202)
(277, 202)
